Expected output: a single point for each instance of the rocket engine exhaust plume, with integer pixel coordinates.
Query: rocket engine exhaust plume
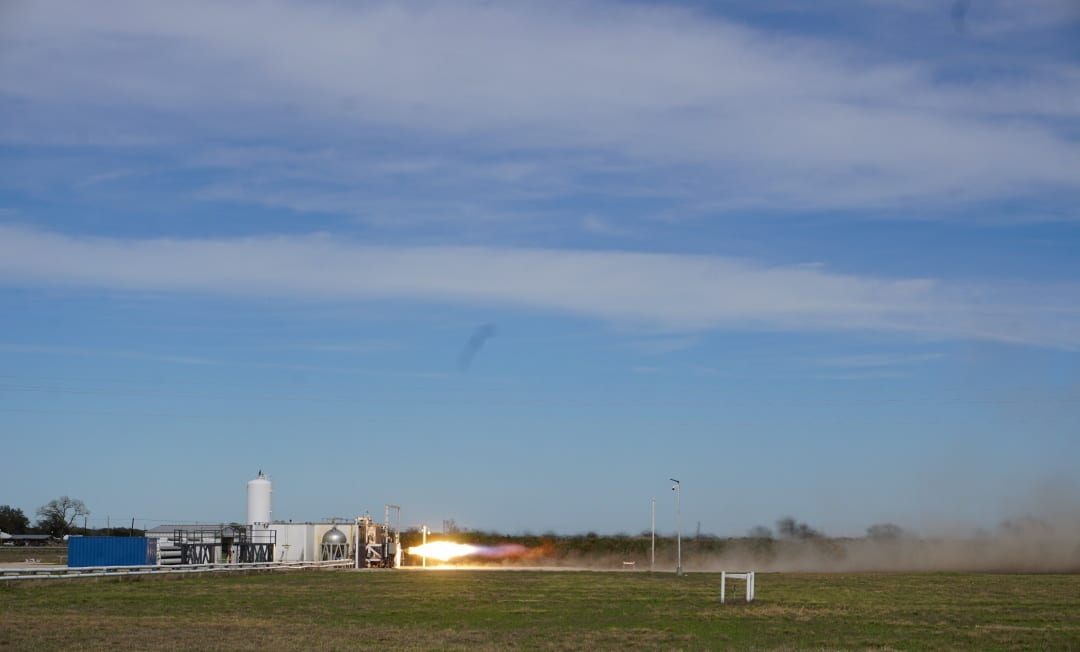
(447, 550)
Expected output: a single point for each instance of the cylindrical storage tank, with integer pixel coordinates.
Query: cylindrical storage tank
(258, 501)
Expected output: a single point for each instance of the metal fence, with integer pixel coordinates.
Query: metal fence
(66, 572)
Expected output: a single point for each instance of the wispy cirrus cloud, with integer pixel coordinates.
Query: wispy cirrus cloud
(540, 100)
(877, 360)
(106, 353)
(662, 345)
(665, 292)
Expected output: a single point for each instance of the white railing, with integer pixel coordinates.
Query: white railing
(68, 572)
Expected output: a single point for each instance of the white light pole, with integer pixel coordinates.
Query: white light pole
(677, 488)
(652, 560)
(424, 531)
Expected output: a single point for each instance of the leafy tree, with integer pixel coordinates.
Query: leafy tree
(58, 515)
(12, 520)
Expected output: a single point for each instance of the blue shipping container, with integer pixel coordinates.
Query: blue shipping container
(111, 551)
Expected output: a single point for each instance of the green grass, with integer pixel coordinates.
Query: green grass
(464, 609)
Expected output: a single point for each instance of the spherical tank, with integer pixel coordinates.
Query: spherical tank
(258, 501)
(334, 536)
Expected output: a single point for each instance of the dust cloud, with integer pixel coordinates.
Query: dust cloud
(1029, 551)
(1026, 544)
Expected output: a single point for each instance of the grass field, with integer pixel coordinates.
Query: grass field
(44, 554)
(464, 609)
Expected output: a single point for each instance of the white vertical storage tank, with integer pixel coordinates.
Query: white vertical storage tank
(258, 502)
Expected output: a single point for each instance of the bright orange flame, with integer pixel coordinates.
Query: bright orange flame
(444, 550)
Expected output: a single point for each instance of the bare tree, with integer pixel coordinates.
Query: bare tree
(789, 528)
(58, 515)
(885, 532)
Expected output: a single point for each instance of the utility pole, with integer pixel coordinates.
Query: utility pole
(678, 524)
(652, 560)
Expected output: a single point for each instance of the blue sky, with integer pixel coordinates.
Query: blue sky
(812, 259)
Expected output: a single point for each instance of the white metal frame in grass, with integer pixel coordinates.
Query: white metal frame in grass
(748, 576)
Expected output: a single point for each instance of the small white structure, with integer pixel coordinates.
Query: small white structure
(259, 492)
(748, 576)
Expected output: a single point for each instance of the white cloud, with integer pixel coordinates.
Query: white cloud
(657, 291)
(661, 345)
(368, 346)
(110, 353)
(765, 120)
(599, 226)
(871, 360)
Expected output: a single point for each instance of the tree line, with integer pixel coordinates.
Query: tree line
(56, 518)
